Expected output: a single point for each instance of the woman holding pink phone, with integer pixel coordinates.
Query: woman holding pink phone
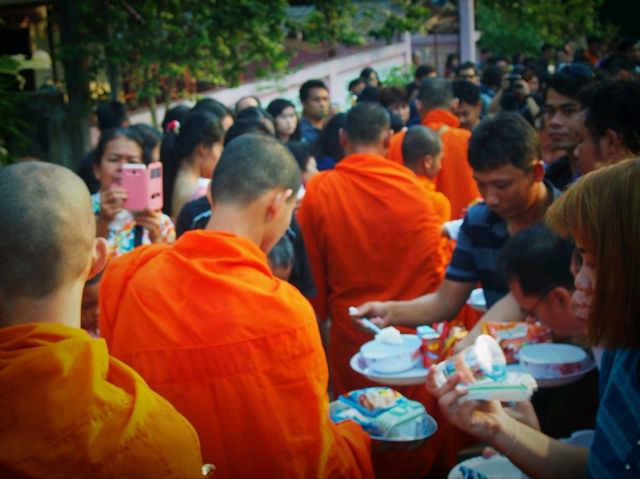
(123, 229)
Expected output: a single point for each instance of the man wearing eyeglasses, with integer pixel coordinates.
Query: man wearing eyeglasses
(537, 265)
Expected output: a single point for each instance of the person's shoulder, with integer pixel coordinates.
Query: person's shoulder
(479, 214)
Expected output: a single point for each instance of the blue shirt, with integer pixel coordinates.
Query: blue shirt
(615, 452)
(309, 132)
(478, 249)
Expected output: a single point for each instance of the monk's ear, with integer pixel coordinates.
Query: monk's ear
(454, 104)
(209, 197)
(278, 201)
(418, 105)
(342, 136)
(427, 162)
(98, 257)
(386, 141)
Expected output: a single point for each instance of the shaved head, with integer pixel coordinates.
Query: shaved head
(419, 141)
(252, 165)
(48, 229)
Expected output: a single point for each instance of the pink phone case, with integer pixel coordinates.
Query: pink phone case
(143, 185)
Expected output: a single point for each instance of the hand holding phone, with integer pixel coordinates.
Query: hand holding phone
(143, 185)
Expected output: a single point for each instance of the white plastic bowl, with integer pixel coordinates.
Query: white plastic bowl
(392, 358)
(553, 360)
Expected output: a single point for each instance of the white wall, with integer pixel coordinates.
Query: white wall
(336, 73)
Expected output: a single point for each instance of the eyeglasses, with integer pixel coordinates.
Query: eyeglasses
(531, 311)
(577, 70)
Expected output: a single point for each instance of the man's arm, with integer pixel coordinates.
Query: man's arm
(442, 305)
(505, 310)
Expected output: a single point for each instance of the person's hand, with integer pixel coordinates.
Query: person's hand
(483, 419)
(523, 411)
(151, 221)
(111, 203)
(378, 312)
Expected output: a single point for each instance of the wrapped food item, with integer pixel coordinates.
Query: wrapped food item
(512, 336)
(382, 412)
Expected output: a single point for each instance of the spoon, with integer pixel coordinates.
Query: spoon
(365, 322)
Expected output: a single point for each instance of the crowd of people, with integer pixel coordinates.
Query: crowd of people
(217, 328)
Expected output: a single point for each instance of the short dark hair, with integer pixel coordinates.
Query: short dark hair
(466, 92)
(252, 165)
(305, 89)
(614, 105)
(505, 138)
(245, 126)
(466, 66)
(435, 93)
(570, 80)
(491, 76)
(355, 82)
(111, 114)
(369, 93)
(424, 71)
(539, 259)
(393, 95)
(366, 122)
(419, 141)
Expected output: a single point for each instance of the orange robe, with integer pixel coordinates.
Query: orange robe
(69, 410)
(372, 234)
(234, 349)
(395, 147)
(455, 179)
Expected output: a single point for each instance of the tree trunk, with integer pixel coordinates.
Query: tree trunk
(76, 83)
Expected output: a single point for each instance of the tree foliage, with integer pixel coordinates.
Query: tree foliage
(157, 46)
(509, 26)
(348, 22)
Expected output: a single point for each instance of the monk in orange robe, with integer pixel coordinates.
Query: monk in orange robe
(455, 179)
(371, 232)
(68, 409)
(234, 348)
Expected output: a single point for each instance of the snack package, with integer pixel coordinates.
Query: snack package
(382, 412)
(512, 336)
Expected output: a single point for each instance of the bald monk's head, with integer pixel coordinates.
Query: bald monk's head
(366, 129)
(48, 235)
(253, 189)
(422, 151)
(250, 166)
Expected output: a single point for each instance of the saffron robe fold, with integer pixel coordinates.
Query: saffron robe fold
(455, 179)
(234, 349)
(69, 410)
(372, 234)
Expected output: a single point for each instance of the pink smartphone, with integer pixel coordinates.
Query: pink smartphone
(143, 185)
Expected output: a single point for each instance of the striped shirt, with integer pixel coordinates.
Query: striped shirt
(615, 452)
(478, 248)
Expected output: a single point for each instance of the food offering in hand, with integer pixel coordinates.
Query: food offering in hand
(384, 414)
(482, 360)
